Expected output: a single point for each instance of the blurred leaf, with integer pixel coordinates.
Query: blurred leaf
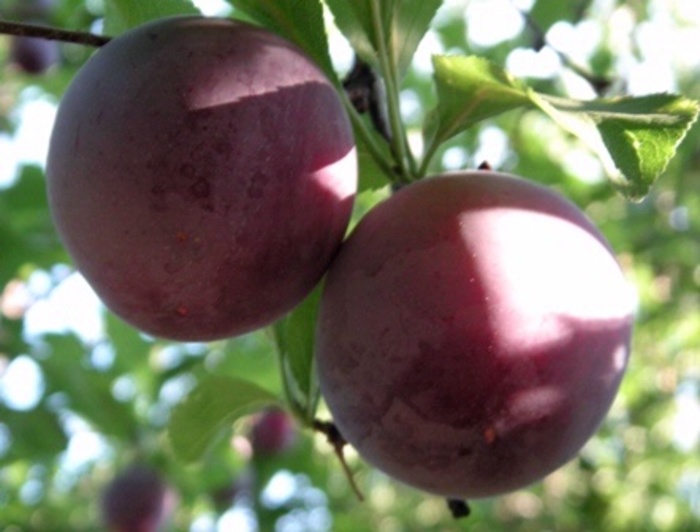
(251, 357)
(89, 392)
(295, 341)
(300, 21)
(11, 341)
(35, 434)
(121, 15)
(546, 13)
(27, 234)
(131, 348)
(26, 202)
(635, 137)
(214, 404)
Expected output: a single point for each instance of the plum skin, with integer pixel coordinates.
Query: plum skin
(201, 174)
(33, 55)
(472, 334)
(137, 499)
(273, 433)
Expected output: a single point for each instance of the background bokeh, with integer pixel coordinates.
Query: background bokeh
(82, 395)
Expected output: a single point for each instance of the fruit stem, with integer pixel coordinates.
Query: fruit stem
(335, 438)
(367, 138)
(459, 508)
(52, 34)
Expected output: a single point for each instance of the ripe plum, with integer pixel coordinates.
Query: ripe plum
(136, 500)
(201, 174)
(34, 55)
(472, 334)
(273, 432)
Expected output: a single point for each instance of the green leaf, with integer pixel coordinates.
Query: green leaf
(295, 341)
(403, 23)
(300, 21)
(546, 13)
(214, 404)
(469, 89)
(120, 15)
(27, 234)
(354, 20)
(36, 434)
(411, 21)
(635, 137)
(131, 348)
(371, 176)
(89, 391)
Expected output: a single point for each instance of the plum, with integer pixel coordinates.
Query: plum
(273, 432)
(201, 174)
(34, 55)
(136, 500)
(472, 334)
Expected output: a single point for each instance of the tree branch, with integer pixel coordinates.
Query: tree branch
(52, 34)
(600, 84)
(336, 439)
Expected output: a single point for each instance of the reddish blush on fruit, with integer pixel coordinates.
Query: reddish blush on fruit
(273, 432)
(137, 500)
(473, 332)
(201, 174)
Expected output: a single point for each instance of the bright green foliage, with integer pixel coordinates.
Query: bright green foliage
(636, 137)
(640, 134)
(469, 89)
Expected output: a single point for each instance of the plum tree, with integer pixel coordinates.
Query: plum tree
(136, 500)
(201, 173)
(32, 55)
(472, 334)
(272, 433)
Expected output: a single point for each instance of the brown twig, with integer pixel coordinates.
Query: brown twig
(336, 439)
(600, 84)
(52, 34)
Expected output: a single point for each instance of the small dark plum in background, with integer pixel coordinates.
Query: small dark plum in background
(201, 174)
(33, 55)
(472, 334)
(136, 500)
(273, 432)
